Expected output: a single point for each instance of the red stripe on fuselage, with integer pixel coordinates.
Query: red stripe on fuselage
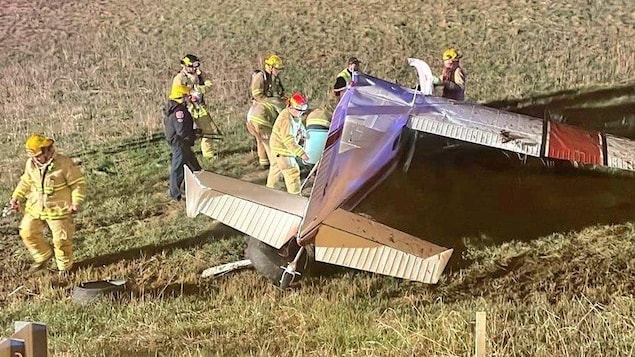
(574, 144)
(333, 138)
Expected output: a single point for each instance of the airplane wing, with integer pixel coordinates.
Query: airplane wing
(519, 133)
(268, 215)
(522, 134)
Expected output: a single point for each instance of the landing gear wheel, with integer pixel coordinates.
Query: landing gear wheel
(287, 279)
(271, 262)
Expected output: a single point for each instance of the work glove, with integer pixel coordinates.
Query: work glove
(436, 81)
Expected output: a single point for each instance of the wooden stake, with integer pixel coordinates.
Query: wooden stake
(12, 347)
(481, 334)
(34, 336)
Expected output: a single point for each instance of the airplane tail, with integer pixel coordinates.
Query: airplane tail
(343, 238)
(268, 215)
(350, 240)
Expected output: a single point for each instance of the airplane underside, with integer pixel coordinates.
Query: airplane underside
(403, 175)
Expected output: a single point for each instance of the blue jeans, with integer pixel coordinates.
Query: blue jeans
(181, 155)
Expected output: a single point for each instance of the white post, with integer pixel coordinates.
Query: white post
(481, 335)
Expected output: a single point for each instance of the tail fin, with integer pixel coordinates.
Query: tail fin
(350, 240)
(265, 214)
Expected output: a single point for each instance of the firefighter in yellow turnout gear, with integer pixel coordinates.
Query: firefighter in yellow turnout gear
(266, 85)
(203, 122)
(268, 101)
(318, 118)
(195, 79)
(286, 134)
(54, 189)
(260, 119)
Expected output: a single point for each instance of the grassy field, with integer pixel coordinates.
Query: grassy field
(95, 75)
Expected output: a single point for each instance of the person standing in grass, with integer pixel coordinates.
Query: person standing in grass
(268, 100)
(191, 76)
(286, 135)
(260, 119)
(453, 77)
(266, 85)
(179, 132)
(345, 77)
(54, 188)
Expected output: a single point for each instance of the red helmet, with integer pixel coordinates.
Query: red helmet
(298, 102)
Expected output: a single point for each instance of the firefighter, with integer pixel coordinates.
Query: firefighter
(266, 84)
(191, 76)
(286, 135)
(203, 122)
(344, 78)
(260, 119)
(268, 100)
(453, 77)
(317, 119)
(179, 132)
(54, 189)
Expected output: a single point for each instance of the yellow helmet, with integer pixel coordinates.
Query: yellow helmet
(273, 61)
(451, 54)
(179, 91)
(35, 143)
(191, 61)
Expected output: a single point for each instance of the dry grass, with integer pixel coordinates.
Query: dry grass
(94, 74)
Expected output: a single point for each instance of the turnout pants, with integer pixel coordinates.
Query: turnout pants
(32, 234)
(181, 155)
(289, 169)
(207, 145)
(262, 134)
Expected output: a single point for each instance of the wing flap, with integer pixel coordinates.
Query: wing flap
(268, 215)
(350, 240)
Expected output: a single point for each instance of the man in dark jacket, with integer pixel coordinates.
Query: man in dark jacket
(179, 132)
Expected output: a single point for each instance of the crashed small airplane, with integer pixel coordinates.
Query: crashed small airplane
(374, 131)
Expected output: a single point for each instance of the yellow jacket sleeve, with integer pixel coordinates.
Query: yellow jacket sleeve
(24, 186)
(287, 137)
(76, 181)
(258, 86)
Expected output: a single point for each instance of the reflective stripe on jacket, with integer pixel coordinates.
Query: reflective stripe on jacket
(264, 85)
(52, 189)
(194, 81)
(263, 113)
(286, 134)
(318, 117)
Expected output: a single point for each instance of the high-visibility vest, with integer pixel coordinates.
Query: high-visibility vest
(346, 75)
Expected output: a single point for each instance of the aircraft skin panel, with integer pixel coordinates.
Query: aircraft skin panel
(526, 141)
(357, 148)
(347, 239)
(377, 258)
(566, 142)
(620, 153)
(244, 206)
(376, 233)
